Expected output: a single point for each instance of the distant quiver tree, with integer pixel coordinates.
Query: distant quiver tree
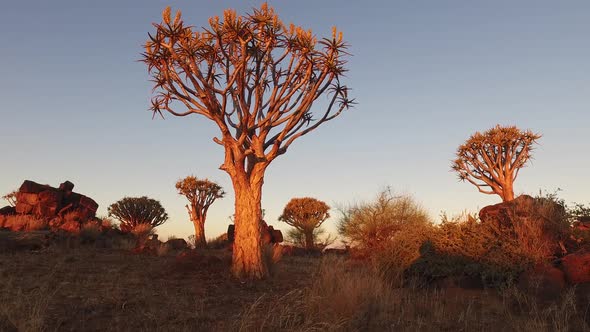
(491, 160)
(305, 214)
(135, 211)
(200, 194)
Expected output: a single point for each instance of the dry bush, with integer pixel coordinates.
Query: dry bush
(370, 226)
(23, 223)
(142, 230)
(272, 254)
(464, 247)
(162, 249)
(70, 222)
(541, 226)
(342, 297)
(219, 242)
(90, 231)
(401, 251)
(106, 224)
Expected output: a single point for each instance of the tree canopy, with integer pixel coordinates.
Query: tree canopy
(134, 211)
(491, 160)
(305, 214)
(201, 193)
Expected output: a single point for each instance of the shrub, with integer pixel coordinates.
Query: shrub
(371, 226)
(464, 247)
(23, 223)
(219, 242)
(272, 253)
(401, 251)
(90, 231)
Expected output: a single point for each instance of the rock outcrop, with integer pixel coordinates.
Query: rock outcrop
(269, 234)
(48, 202)
(576, 267)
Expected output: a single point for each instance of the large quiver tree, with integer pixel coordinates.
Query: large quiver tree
(257, 80)
(200, 194)
(491, 160)
(305, 214)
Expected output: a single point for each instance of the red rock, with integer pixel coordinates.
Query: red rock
(277, 236)
(176, 244)
(23, 208)
(29, 186)
(576, 266)
(503, 214)
(543, 280)
(27, 198)
(7, 211)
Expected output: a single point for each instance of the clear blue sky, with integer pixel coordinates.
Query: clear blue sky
(426, 75)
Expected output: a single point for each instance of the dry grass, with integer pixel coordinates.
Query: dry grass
(91, 289)
(343, 297)
(112, 290)
(23, 223)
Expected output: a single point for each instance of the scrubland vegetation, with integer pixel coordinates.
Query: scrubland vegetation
(521, 265)
(403, 272)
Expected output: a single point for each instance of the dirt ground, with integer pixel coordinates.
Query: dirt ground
(105, 289)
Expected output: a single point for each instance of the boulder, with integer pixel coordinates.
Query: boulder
(503, 214)
(66, 186)
(47, 202)
(576, 266)
(23, 208)
(545, 281)
(27, 198)
(29, 186)
(231, 229)
(8, 211)
(269, 234)
(277, 236)
(176, 244)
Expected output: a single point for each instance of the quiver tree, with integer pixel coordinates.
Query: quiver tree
(135, 211)
(305, 214)
(10, 198)
(200, 194)
(491, 160)
(257, 80)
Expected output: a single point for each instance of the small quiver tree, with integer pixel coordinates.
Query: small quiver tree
(257, 80)
(134, 212)
(10, 198)
(305, 214)
(200, 194)
(491, 160)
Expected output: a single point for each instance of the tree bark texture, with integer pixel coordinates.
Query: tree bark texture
(247, 260)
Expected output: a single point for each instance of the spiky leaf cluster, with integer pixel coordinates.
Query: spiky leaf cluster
(133, 211)
(305, 214)
(255, 77)
(492, 159)
(201, 193)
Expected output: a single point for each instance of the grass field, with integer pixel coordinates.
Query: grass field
(89, 289)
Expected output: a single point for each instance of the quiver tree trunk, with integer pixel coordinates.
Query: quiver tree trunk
(247, 259)
(507, 191)
(309, 239)
(199, 223)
